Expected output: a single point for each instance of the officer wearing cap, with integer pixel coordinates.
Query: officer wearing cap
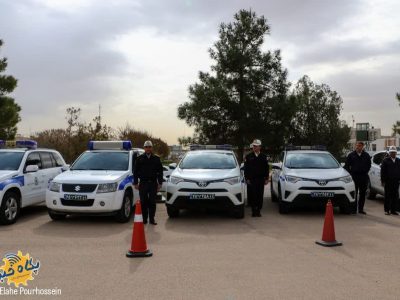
(390, 177)
(358, 164)
(148, 178)
(256, 172)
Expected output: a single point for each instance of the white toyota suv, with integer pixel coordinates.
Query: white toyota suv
(25, 172)
(307, 177)
(375, 186)
(208, 176)
(100, 182)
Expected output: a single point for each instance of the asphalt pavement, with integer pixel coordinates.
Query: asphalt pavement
(213, 256)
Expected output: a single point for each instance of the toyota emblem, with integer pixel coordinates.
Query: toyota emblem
(322, 182)
(202, 183)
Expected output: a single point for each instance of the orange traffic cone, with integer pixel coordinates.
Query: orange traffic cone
(328, 234)
(138, 245)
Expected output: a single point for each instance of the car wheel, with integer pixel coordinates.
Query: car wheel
(56, 216)
(125, 213)
(345, 209)
(172, 211)
(284, 207)
(274, 198)
(10, 208)
(238, 212)
(371, 194)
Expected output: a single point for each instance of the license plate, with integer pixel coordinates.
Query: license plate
(322, 194)
(75, 197)
(202, 196)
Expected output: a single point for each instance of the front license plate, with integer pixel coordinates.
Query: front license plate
(322, 194)
(75, 197)
(202, 196)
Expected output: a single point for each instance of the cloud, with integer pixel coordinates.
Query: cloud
(137, 58)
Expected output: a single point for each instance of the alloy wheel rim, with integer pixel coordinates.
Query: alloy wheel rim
(11, 209)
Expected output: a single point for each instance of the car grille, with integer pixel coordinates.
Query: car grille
(203, 190)
(88, 202)
(318, 188)
(79, 188)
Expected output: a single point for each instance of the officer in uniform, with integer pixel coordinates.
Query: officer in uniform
(256, 172)
(358, 164)
(390, 177)
(148, 178)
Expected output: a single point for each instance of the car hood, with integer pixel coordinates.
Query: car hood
(5, 174)
(317, 173)
(90, 176)
(202, 174)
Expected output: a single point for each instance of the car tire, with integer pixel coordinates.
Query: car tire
(56, 216)
(238, 212)
(274, 198)
(172, 211)
(10, 208)
(371, 194)
(125, 213)
(284, 207)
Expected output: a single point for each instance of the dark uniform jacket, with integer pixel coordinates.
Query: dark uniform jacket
(390, 171)
(358, 164)
(256, 167)
(148, 169)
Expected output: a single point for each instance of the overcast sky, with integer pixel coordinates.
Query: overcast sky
(136, 58)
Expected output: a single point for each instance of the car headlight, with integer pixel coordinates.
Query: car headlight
(232, 180)
(54, 186)
(175, 180)
(346, 179)
(292, 179)
(107, 187)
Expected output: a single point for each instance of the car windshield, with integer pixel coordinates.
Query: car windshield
(10, 160)
(208, 160)
(311, 161)
(102, 160)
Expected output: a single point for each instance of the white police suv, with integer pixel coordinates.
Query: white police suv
(100, 181)
(310, 175)
(208, 176)
(25, 172)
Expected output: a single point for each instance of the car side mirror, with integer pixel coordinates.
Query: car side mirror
(172, 166)
(277, 166)
(65, 168)
(32, 168)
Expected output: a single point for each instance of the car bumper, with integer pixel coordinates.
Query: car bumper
(225, 196)
(95, 203)
(342, 193)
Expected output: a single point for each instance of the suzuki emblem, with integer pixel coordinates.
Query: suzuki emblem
(77, 188)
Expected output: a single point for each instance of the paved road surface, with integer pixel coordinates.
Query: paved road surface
(212, 256)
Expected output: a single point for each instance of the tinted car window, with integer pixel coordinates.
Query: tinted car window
(208, 160)
(47, 160)
(10, 160)
(311, 161)
(57, 159)
(116, 161)
(34, 159)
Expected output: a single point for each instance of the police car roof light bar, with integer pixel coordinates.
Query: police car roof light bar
(29, 144)
(210, 147)
(314, 147)
(110, 145)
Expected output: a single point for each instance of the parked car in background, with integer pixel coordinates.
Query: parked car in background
(25, 172)
(309, 176)
(375, 186)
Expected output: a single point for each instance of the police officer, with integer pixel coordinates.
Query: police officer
(358, 164)
(256, 172)
(148, 178)
(390, 177)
